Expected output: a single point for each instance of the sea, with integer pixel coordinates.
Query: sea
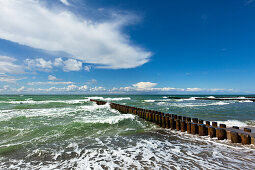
(71, 132)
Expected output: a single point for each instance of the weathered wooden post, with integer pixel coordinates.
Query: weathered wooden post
(172, 123)
(221, 133)
(167, 122)
(247, 129)
(183, 126)
(195, 120)
(214, 124)
(163, 122)
(194, 128)
(200, 122)
(245, 139)
(235, 138)
(203, 131)
(207, 123)
(212, 131)
(178, 124)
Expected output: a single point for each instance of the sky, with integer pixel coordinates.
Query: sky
(127, 47)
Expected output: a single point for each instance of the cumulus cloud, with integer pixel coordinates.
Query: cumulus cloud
(144, 85)
(72, 65)
(58, 62)
(98, 42)
(7, 65)
(52, 78)
(39, 64)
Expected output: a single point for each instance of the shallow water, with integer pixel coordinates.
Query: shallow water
(62, 132)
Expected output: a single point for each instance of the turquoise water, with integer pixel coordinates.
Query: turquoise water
(69, 131)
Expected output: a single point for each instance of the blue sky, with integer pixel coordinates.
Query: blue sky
(117, 46)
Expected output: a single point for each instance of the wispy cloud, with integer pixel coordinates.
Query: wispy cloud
(49, 83)
(9, 79)
(65, 2)
(7, 65)
(89, 41)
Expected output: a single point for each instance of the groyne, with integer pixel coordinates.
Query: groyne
(190, 125)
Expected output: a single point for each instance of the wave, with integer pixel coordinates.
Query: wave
(154, 151)
(211, 97)
(193, 104)
(149, 101)
(110, 119)
(238, 123)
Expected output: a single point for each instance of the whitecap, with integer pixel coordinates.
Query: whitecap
(149, 101)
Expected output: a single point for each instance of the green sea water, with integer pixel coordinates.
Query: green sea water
(69, 131)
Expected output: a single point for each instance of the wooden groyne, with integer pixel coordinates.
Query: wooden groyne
(217, 98)
(193, 126)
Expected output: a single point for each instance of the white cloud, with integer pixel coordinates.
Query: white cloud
(47, 65)
(49, 83)
(194, 89)
(58, 62)
(9, 79)
(97, 42)
(83, 88)
(97, 89)
(144, 85)
(52, 78)
(65, 2)
(71, 88)
(39, 64)
(72, 65)
(7, 65)
(87, 68)
(21, 89)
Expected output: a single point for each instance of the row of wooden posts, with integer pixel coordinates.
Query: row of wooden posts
(186, 124)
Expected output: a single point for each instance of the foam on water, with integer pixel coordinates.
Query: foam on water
(151, 101)
(193, 104)
(211, 97)
(162, 150)
(90, 136)
(230, 123)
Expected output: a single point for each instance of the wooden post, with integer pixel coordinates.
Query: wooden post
(214, 124)
(167, 122)
(183, 126)
(247, 129)
(201, 122)
(163, 121)
(178, 124)
(212, 132)
(194, 128)
(195, 120)
(208, 123)
(202, 130)
(235, 138)
(189, 127)
(179, 117)
(172, 123)
(221, 133)
(245, 139)
(223, 126)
